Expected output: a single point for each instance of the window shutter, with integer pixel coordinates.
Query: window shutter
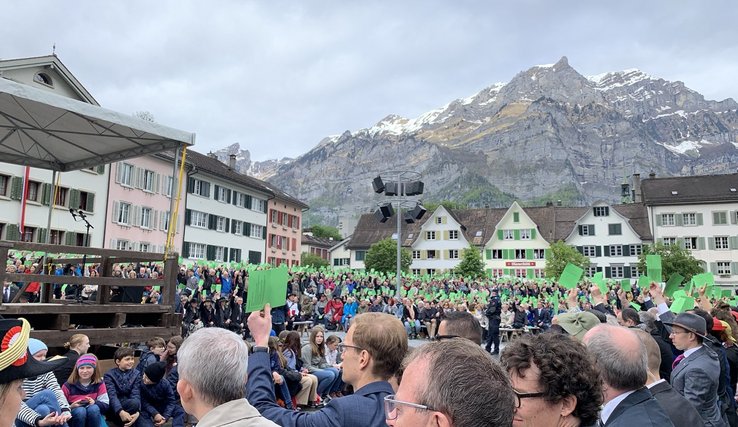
(247, 201)
(16, 188)
(227, 225)
(680, 243)
(579, 228)
(445, 236)
(246, 231)
(154, 220)
(626, 250)
(216, 192)
(699, 219)
(679, 219)
(487, 252)
(212, 222)
(499, 235)
(12, 233)
(700, 243)
(46, 194)
(715, 218)
(608, 272)
(74, 199)
(516, 234)
(116, 211)
(711, 243)
(113, 244)
(210, 253)
(533, 234)
(136, 219)
(734, 268)
(228, 196)
(185, 249)
(190, 185)
(118, 172)
(206, 189)
(529, 254)
(607, 251)
(263, 233)
(713, 267)
(234, 199)
(70, 237)
(733, 217)
(591, 229)
(733, 242)
(658, 220)
(41, 235)
(580, 249)
(598, 251)
(188, 217)
(423, 254)
(264, 207)
(627, 273)
(90, 202)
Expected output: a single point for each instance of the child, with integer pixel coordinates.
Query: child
(157, 399)
(87, 393)
(123, 384)
(279, 374)
(157, 348)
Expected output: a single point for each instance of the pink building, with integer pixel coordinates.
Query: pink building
(139, 198)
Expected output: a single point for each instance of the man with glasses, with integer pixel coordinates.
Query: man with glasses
(695, 373)
(372, 352)
(442, 386)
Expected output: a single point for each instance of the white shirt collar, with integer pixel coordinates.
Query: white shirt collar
(687, 353)
(653, 384)
(610, 406)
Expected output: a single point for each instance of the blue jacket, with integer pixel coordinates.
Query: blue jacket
(364, 408)
(639, 409)
(122, 385)
(158, 399)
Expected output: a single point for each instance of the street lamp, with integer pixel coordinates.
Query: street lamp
(406, 184)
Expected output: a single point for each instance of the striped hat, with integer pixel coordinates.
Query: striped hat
(87, 360)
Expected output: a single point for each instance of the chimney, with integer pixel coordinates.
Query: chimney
(232, 161)
(558, 203)
(636, 188)
(652, 175)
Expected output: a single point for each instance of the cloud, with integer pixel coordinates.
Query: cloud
(279, 76)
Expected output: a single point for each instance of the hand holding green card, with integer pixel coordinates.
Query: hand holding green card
(267, 286)
(570, 276)
(653, 267)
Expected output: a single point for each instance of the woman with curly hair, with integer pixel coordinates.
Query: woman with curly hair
(555, 381)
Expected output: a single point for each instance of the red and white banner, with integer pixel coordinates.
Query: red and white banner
(520, 264)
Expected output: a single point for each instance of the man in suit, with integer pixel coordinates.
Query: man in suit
(696, 373)
(372, 353)
(622, 360)
(677, 408)
(9, 292)
(543, 316)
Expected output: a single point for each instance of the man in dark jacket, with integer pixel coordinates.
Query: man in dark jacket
(158, 403)
(493, 312)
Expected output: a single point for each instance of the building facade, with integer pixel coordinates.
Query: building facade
(284, 233)
(438, 244)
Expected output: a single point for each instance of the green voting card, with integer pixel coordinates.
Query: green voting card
(599, 280)
(653, 267)
(672, 285)
(682, 304)
(267, 286)
(625, 285)
(570, 276)
(644, 282)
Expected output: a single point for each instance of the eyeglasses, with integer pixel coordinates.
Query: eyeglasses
(444, 337)
(391, 410)
(342, 347)
(520, 396)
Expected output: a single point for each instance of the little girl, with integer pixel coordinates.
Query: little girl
(86, 392)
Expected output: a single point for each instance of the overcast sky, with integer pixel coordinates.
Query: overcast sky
(278, 76)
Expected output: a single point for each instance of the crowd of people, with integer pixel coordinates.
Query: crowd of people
(585, 356)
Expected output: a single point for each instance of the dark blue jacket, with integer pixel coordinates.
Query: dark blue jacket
(122, 385)
(364, 408)
(158, 399)
(639, 409)
(279, 314)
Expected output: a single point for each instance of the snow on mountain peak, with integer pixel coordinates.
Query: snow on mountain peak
(611, 80)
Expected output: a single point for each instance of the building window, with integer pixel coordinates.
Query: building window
(220, 224)
(690, 243)
(634, 271)
(587, 230)
(590, 271)
(516, 216)
(669, 241)
(169, 186)
(126, 174)
(615, 229)
(145, 218)
(338, 262)
(34, 191)
(237, 226)
(601, 211)
(165, 218)
(86, 201)
(439, 220)
(496, 253)
(589, 251)
(219, 253)
(453, 235)
(520, 273)
(431, 271)
(222, 194)
(431, 254)
(616, 250)
(257, 230)
(636, 249)
(148, 181)
(453, 254)
(199, 219)
(723, 268)
(689, 219)
(519, 253)
(197, 250)
(416, 254)
(497, 272)
(508, 235)
(416, 271)
(539, 253)
(124, 213)
(43, 78)
(360, 255)
(721, 242)
(668, 219)
(719, 218)
(616, 271)
(430, 235)
(28, 234)
(121, 245)
(56, 237)
(201, 188)
(258, 205)
(144, 247)
(525, 234)
(61, 197)
(4, 184)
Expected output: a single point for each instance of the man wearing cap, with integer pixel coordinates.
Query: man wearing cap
(493, 313)
(696, 372)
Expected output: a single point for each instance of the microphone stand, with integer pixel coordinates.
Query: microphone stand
(81, 214)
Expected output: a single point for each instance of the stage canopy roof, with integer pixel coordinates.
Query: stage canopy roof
(48, 131)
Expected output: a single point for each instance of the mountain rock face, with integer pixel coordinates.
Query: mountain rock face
(261, 170)
(549, 134)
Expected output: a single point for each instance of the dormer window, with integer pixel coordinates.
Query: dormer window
(43, 78)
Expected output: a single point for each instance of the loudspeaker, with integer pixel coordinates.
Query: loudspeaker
(414, 188)
(417, 212)
(409, 218)
(378, 185)
(384, 212)
(391, 189)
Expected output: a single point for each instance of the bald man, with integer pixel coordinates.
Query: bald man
(622, 359)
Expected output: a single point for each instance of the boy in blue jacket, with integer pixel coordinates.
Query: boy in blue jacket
(123, 384)
(157, 399)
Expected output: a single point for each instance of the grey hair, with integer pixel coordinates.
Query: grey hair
(623, 367)
(456, 388)
(215, 362)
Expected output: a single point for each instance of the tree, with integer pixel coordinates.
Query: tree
(560, 254)
(471, 266)
(313, 260)
(382, 256)
(674, 259)
(326, 232)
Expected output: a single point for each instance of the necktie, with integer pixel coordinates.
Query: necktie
(677, 360)
(6, 297)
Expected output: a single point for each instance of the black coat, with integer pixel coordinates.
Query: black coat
(677, 408)
(639, 409)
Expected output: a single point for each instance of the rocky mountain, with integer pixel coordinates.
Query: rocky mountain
(261, 170)
(549, 134)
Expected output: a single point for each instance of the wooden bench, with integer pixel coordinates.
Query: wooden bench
(507, 334)
(302, 327)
